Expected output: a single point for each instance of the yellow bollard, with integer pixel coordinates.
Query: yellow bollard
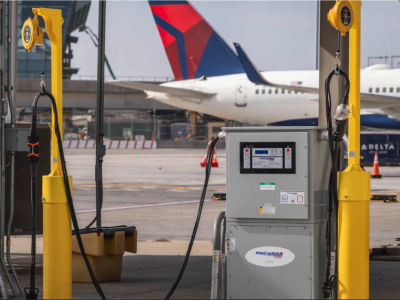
(353, 234)
(57, 251)
(354, 189)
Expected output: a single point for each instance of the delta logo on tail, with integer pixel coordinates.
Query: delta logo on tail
(193, 48)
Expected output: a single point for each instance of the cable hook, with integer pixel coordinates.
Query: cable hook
(42, 83)
(337, 58)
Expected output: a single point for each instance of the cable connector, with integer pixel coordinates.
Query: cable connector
(326, 290)
(31, 294)
(33, 143)
(342, 112)
(222, 135)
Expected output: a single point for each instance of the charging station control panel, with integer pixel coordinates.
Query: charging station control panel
(267, 158)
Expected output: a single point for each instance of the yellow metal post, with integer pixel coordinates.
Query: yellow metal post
(57, 251)
(354, 190)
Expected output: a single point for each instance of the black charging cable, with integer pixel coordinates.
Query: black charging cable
(210, 154)
(33, 142)
(35, 150)
(335, 138)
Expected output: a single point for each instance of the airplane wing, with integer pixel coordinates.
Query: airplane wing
(256, 77)
(378, 101)
(161, 89)
(380, 104)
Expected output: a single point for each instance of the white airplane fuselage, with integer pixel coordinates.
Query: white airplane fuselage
(237, 98)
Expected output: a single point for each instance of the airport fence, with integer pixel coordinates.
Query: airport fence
(158, 79)
(157, 130)
(125, 78)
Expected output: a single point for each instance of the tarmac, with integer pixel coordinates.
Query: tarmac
(158, 191)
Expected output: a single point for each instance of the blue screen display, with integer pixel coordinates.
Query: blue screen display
(261, 151)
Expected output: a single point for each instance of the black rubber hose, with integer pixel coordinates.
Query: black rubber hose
(32, 292)
(210, 154)
(33, 157)
(67, 186)
(334, 147)
(33, 248)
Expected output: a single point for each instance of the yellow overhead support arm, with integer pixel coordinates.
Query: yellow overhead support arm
(53, 24)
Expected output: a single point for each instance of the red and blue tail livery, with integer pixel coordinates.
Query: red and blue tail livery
(193, 48)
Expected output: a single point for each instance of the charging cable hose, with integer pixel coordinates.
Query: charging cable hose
(334, 137)
(210, 154)
(33, 142)
(33, 157)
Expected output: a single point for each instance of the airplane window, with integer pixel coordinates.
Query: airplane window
(283, 91)
(370, 90)
(377, 90)
(398, 89)
(391, 90)
(295, 92)
(289, 92)
(276, 91)
(384, 90)
(263, 91)
(269, 91)
(257, 92)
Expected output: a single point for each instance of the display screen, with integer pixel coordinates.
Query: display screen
(261, 151)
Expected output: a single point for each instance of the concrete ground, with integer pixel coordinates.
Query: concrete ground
(150, 276)
(147, 275)
(158, 191)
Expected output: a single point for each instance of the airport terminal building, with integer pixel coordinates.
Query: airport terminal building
(30, 65)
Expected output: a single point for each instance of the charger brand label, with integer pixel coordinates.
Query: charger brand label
(270, 256)
(273, 254)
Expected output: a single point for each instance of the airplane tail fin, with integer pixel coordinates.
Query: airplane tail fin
(193, 47)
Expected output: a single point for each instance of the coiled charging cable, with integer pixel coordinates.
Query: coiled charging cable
(334, 137)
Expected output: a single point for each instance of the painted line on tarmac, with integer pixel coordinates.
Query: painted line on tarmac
(194, 188)
(142, 206)
(382, 192)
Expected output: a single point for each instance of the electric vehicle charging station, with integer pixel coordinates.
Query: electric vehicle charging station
(277, 191)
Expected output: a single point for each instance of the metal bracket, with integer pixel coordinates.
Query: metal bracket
(102, 150)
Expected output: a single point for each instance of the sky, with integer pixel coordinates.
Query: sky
(277, 35)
